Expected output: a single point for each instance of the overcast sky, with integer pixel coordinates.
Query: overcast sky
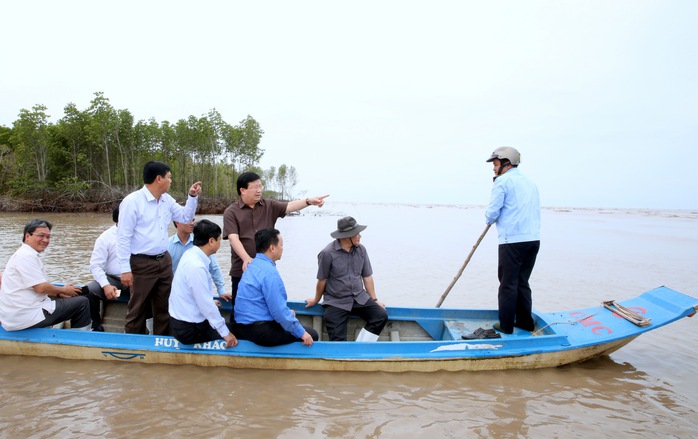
(393, 101)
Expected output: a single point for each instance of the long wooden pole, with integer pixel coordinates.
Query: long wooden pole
(455, 279)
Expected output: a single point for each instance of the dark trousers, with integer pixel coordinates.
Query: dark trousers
(269, 333)
(97, 295)
(191, 333)
(516, 263)
(337, 319)
(235, 281)
(75, 309)
(152, 281)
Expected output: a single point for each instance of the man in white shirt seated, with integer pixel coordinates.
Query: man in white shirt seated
(106, 271)
(194, 317)
(183, 240)
(27, 298)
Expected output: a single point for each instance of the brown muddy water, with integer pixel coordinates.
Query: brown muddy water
(646, 389)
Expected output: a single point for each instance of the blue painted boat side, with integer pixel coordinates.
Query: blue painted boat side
(592, 327)
(662, 305)
(112, 342)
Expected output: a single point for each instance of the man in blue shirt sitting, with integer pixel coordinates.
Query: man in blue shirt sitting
(261, 312)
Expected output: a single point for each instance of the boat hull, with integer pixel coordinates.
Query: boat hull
(415, 340)
(526, 361)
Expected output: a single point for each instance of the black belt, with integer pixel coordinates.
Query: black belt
(263, 322)
(156, 257)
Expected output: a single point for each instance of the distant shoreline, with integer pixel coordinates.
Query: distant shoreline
(217, 206)
(207, 205)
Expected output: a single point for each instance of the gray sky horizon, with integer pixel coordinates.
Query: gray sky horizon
(394, 101)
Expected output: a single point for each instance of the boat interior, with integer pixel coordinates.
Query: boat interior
(405, 324)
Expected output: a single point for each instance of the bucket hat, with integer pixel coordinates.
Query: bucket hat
(346, 228)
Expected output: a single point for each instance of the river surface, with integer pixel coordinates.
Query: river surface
(646, 389)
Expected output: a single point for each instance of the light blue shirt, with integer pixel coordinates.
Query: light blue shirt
(177, 249)
(515, 207)
(190, 298)
(262, 297)
(143, 223)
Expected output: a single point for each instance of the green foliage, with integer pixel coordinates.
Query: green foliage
(27, 187)
(6, 156)
(103, 147)
(70, 134)
(5, 134)
(72, 188)
(30, 135)
(280, 181)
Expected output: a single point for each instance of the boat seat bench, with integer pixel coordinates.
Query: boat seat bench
(315, 320)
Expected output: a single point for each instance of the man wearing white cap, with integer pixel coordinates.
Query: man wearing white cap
(515, 207)
(345, 279)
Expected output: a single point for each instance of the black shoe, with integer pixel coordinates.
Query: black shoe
(475, 335)
(498, 327)
(99, 328)
(525, 328)
(480, 333)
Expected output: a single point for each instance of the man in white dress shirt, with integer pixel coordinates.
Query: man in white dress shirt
(181, 242)
(142, 239)
(105, 268)
(27, 298)
(194, 317)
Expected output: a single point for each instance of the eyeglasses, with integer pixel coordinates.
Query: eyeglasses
(257, 187)
(41, 235)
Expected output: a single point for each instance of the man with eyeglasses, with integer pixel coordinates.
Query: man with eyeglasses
(249, 214)
(27, 298)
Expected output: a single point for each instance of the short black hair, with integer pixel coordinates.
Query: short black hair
(205, 230)
(174, 223)
(115, 214)
(245, 179)
(152, 169)
(35, 224)
(265, 238)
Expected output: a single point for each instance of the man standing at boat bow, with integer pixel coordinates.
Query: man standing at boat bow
(515, 207)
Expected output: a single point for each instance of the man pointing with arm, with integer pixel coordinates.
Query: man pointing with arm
(249, 214)
(142, 240)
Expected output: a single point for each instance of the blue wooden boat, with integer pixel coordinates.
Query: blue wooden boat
(415, 339)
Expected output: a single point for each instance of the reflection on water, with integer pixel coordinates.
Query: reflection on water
(127, 400)
(647, 388)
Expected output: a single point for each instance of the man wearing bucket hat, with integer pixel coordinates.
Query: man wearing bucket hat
(345, 279)
(515, 207)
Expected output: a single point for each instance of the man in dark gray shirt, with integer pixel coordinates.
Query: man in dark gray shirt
(345, 279)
